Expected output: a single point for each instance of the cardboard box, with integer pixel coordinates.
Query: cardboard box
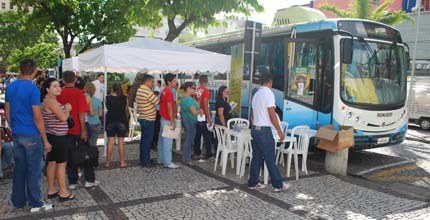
(332, 140)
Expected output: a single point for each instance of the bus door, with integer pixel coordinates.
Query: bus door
(301, 83)
(324, 83)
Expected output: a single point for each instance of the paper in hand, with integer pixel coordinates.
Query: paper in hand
(232, 105)
(169, 133)
(201, 118)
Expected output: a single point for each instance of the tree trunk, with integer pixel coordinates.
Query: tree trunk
(67, 49)
(172, 35)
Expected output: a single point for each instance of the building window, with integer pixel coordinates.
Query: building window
(3, 5)
(11, 6)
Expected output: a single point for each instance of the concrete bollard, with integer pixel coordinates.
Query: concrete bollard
(337, 163)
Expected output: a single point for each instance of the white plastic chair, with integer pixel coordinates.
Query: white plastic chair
(133, 123)
(225, 147)
(300, 146)
(284, 127)
(237, 121)
(247, 153)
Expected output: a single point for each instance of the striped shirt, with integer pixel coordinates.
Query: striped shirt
(146, 101)
(53, 125)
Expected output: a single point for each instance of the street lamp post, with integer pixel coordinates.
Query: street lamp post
(414, 56)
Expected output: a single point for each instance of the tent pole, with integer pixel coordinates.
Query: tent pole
(104, 115)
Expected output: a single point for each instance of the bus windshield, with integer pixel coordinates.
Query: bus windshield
(376, 76)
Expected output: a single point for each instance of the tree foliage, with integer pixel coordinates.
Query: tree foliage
(197, 14)
(17, 32)
(45, 55)
(363, 9)
(87, 21)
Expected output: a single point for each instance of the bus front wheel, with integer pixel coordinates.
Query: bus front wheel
(425, 123)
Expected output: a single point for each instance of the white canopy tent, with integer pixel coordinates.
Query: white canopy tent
(71, 64)
(157, 56)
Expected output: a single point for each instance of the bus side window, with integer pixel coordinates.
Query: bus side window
(302, 71)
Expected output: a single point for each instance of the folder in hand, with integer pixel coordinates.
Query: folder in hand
(169, 133)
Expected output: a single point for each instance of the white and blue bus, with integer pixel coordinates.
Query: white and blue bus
(336, 71)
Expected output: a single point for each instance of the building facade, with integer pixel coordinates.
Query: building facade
(6, 5)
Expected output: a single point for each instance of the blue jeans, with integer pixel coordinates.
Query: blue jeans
(202, 129)
(27, 175)
(263, 149)
(6, 155)
(93, 133)
(190, 129)
(164, 151)
(147, 136)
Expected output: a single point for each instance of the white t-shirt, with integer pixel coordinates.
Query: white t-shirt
(262, 100)
(100, 90)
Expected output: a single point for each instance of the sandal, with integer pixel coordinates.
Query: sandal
(67, 198)
(125, 166)
(53, 195)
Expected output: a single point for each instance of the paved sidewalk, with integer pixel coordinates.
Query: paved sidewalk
(196, 192)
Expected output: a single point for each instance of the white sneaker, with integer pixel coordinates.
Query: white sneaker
(90, 184)
(44, 207)
(258, 186)
(73, 186)
(284, 187)
(172, 166)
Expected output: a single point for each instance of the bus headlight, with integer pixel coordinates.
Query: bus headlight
(357, 119)
(349, 114)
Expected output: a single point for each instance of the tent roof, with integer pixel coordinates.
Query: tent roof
(155, 55)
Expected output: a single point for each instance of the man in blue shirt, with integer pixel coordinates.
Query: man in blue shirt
(25, 118)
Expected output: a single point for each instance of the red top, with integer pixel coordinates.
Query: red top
(77, 100)
(166, 97)
(201, 93)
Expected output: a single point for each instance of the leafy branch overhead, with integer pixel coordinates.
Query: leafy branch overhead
(87, 21)
(113, 21)
(198, 14)
(363, 9)
(17, 32)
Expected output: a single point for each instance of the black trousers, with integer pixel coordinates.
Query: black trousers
(201, 129)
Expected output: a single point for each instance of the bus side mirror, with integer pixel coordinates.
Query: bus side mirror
(347, 51)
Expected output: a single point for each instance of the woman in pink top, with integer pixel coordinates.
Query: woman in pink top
(55, 117)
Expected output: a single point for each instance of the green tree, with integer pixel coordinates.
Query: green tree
(45, 55)
(17, 32)
(363, 9)
(88, 21)
(197, 14)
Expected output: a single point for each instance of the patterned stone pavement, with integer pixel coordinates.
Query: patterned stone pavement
(196, 192)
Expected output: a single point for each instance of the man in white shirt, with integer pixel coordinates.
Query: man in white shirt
(264, 118)
(157, 87)
(99, 83)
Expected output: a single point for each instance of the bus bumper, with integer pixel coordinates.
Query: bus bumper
(371, 141)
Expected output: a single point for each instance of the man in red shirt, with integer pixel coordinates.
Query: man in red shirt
(76, 98)
(167, 113)
(203, 96)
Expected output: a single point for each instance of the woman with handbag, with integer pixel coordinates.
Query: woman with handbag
(55, 116)
(116, 123)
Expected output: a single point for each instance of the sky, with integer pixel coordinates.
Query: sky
(270, 8)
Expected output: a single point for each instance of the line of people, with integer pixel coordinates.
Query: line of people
(54, 120)
(195, 118)
(57, 119)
